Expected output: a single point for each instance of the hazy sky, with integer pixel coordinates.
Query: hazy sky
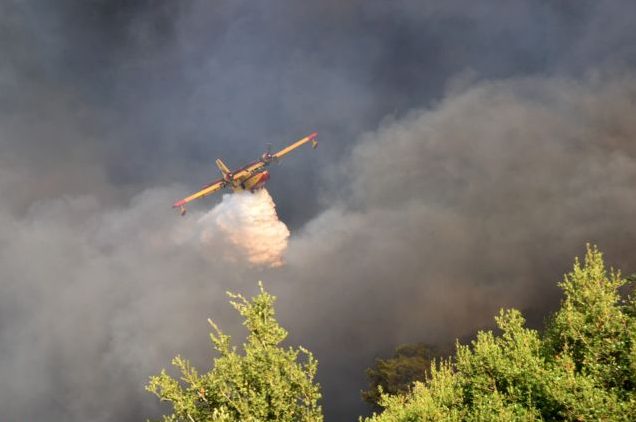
(468, 152)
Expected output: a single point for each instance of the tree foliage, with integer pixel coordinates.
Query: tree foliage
(396, 374)
(582, 367)
(265, 383)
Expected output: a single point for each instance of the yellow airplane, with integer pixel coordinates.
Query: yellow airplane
(250, 177)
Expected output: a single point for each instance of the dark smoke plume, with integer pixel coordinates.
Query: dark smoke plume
(469, 150)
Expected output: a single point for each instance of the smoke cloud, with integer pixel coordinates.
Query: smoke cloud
(249, 224)
(468, 152)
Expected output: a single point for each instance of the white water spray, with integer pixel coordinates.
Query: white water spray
(249, 224)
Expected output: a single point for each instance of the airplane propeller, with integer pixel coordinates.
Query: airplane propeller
(267, 156)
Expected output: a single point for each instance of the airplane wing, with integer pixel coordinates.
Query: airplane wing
(205, 191)
(311, 138)
(248, 170)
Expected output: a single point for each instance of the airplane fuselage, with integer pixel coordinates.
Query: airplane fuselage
(252, 183)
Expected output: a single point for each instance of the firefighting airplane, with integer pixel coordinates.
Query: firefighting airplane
(250, 177)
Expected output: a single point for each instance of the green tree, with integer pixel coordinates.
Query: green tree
(265, 383)
(583, 367)
(397, 374)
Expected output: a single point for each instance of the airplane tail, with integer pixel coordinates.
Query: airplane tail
(223, 168)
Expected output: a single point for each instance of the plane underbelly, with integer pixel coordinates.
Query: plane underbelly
(256, 182)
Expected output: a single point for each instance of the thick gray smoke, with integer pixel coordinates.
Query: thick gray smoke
(468, 153)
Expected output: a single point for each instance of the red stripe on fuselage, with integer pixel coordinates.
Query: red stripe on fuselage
(259, 180)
